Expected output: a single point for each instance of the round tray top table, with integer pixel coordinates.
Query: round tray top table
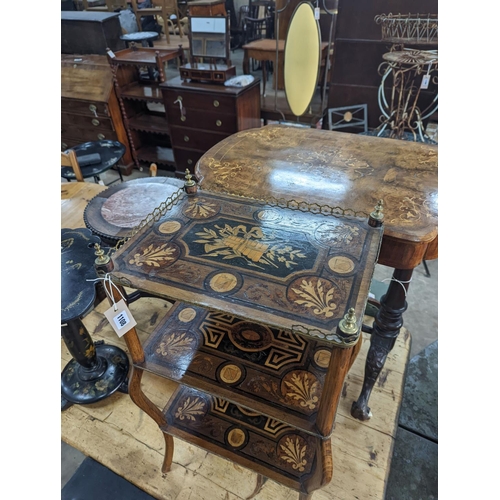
(144, 37)
(111, 152)
(113, 213)
(96, 370)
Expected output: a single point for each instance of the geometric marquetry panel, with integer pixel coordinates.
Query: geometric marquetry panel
(283, 453)
(255, 366)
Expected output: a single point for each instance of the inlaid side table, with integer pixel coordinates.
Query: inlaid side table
(269, 301)
(350, 172)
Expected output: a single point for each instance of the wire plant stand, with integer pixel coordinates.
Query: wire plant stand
(409, 28)
(411, 71)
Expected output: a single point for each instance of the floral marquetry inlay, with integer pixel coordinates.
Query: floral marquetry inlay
(175, 344)
(190, 409)
(293, 451)
(250, 243)
(156, 255)
(316, 294)
(201, 208)
(342, 234)
(303, 387)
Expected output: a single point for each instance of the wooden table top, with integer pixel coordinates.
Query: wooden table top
(337, 169)
(269, 45)
(274, 266)
(74, 199)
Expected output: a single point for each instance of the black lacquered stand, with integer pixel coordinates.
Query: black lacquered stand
(96, 370)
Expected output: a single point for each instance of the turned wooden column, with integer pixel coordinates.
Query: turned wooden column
(386, 328)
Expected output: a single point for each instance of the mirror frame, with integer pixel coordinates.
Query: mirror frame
(311, 67)
(226, 35)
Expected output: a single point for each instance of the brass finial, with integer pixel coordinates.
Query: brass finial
(190, 186)
(377, 216)
(189, 179)
(348, 324)
(101, 258)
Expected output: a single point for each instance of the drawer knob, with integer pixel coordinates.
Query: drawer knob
(216, 103)
(101, 137)
(190, 161)
(218, 123)
(95, 122)
(64, 146)
(183, 118)
(186, 138)
(179, 98)
(93, 108)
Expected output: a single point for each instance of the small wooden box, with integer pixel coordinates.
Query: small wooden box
(90, 32)
(197, 72)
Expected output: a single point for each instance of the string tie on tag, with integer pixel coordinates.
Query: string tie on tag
(107, 279)
(400, 282)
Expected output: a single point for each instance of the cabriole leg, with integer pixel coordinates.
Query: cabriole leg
(386, 328)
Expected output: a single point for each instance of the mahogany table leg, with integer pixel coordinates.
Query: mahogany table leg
(264, 77)
(386, 328)
(246, 63)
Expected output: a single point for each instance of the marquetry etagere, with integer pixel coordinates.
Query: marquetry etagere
(138, 72)
(202, 114)
(268, 299)
(90, 109)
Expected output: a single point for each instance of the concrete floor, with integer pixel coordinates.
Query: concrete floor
(413, 473)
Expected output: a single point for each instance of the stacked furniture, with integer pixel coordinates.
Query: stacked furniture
(90, 109)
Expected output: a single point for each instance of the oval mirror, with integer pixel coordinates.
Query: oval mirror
(301, 58)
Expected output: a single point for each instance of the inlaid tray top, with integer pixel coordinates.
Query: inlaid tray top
(276, 266)
(113, 213)
(334, 168)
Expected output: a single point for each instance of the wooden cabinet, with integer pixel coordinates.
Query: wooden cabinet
(90, 32)
(89, 106)
(200, 115)
(138, 73)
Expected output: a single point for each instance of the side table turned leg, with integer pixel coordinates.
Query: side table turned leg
(386, 328)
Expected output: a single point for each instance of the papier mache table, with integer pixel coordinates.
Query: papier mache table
(266, 322)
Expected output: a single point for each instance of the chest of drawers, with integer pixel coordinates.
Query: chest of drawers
(89, 107)
(200, 115)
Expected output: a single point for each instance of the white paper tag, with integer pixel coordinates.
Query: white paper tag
(121, 320)
(425, 82)
(100, 181)
(316, 13)
(111, 53)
